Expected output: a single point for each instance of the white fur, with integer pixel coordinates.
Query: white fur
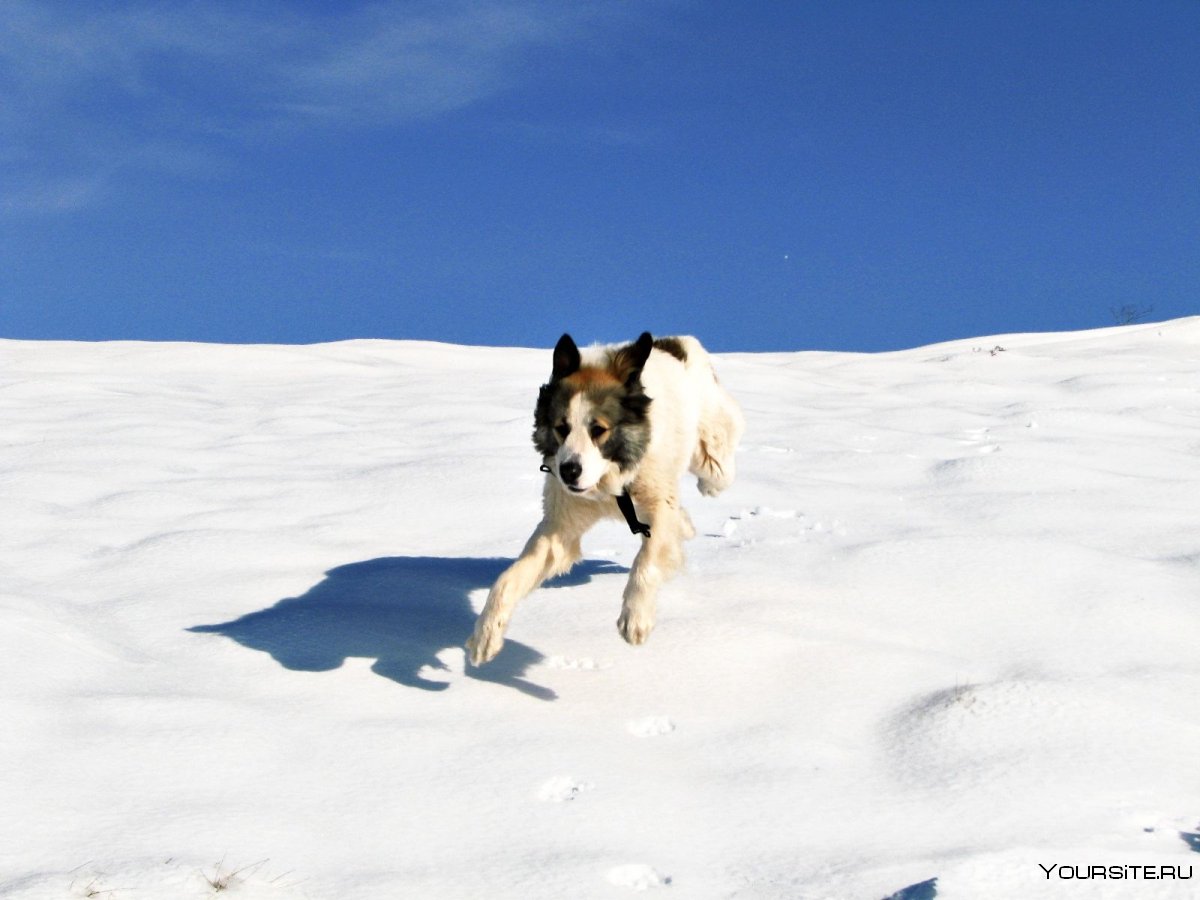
(695, 426)
(581, 447)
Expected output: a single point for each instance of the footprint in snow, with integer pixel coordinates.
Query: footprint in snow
(637, 877)
(746, 516)
(562, 789)
(765, 448)
(762, 524)
(584, 663)
(980, 438)
(650, 726)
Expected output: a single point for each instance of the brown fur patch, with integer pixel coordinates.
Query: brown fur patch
(672, 345)
(591, 377)
(626, 362)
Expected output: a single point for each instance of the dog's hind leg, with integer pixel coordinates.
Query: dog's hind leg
(687, 530)
(551, 550)
(720, 430)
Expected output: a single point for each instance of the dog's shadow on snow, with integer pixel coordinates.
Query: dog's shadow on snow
(400, 611)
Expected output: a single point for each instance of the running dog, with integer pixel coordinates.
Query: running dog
(616, 428)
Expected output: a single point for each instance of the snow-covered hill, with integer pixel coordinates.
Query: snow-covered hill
(945, 626)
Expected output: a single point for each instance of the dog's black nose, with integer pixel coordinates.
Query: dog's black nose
(570, 471)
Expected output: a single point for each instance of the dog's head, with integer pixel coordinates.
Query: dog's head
(591, 418)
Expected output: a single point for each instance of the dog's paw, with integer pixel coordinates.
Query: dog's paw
(485, 643)
(635, 625)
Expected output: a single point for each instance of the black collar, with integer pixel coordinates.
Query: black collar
(625, 504)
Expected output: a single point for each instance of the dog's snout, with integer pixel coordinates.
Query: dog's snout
(570, 471)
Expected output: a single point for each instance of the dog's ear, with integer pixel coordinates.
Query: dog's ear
(566, 358)
(627, 363)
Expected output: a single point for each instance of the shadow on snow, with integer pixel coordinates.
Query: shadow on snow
(925, 890)
(400, 611)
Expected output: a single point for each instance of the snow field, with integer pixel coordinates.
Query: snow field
(943, 626)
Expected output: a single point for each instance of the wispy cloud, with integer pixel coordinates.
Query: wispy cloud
(387, 67)
(49, 195)
(91, 93)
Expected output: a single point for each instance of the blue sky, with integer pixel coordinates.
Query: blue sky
(765, 175)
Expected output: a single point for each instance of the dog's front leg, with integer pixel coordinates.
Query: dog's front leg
(659, 558)
(547, 553)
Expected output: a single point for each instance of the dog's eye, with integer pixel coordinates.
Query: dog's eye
(562, 431)
(597, 431)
